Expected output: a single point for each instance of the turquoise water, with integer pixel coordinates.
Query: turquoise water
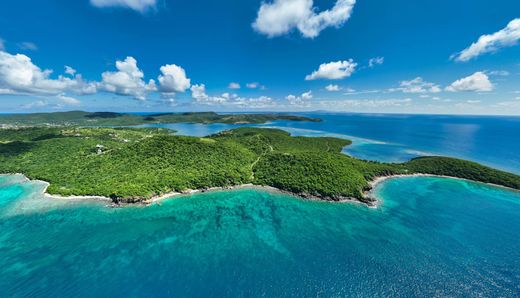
(430, 237)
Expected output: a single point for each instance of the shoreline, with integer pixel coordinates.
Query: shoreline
(380, 179)
(368, 197)
(156, 199)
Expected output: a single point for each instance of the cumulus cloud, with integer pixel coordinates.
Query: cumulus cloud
(332, 87)
(283, 16)
(198, 93)
(376, 61)
(127, 80)
(477, 82)
(333, 70)
(490, 43)
(19, 75)
(234, 85)
(137, 5)
(173, 79)
(299, 100)
(417, 85)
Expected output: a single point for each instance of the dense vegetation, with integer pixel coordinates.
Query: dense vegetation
(140, 163)
(463, 169)
(79, 118)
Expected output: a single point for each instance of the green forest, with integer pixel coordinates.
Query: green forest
(132, 164)
(80, 118)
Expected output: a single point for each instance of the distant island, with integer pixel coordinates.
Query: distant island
(132, 165)
(80, 118)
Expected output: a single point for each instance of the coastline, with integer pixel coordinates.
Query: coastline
(156, 199)
(368, 198)
(369, 194)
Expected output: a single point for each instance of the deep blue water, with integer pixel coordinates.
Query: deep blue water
(494, 141)
(430, 237)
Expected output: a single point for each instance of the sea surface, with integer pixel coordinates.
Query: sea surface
(428, 237)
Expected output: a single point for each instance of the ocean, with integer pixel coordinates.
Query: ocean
(428, 237)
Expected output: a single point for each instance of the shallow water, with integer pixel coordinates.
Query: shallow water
(430, 236)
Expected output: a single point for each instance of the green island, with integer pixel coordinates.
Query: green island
(132, 165)
(80, 118)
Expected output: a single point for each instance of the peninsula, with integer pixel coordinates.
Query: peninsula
(131, 165)
(80, 118)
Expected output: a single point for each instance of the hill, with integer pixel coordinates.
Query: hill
(130, 164)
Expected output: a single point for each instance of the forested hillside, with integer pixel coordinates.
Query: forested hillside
(134, 164)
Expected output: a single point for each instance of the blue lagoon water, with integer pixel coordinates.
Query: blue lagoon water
(429, 236)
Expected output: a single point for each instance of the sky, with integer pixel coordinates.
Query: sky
(375, 56)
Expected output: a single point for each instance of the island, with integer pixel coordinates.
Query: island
(135, 165)
(93, 119)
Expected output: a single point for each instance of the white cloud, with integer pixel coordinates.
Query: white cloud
(417, 85)
(35, 104)
(376, 61)
(227, 95)
(333, 70)
(69, 70)
(198, 93)
(365, 103)
(255, 102)
(234, 85)
(500, 73)
(282, 16)
(138, 5)
(7, 91)
(26, 45)
(351, 91)
(19, 75)
(476, 82)
(173, 79)
(68, 99)
(332, 87)
(307, 95)
(299, 100)
(252, 85)
(127, 80)
(490, 43)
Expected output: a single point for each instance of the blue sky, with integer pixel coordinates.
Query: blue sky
(450, 57)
